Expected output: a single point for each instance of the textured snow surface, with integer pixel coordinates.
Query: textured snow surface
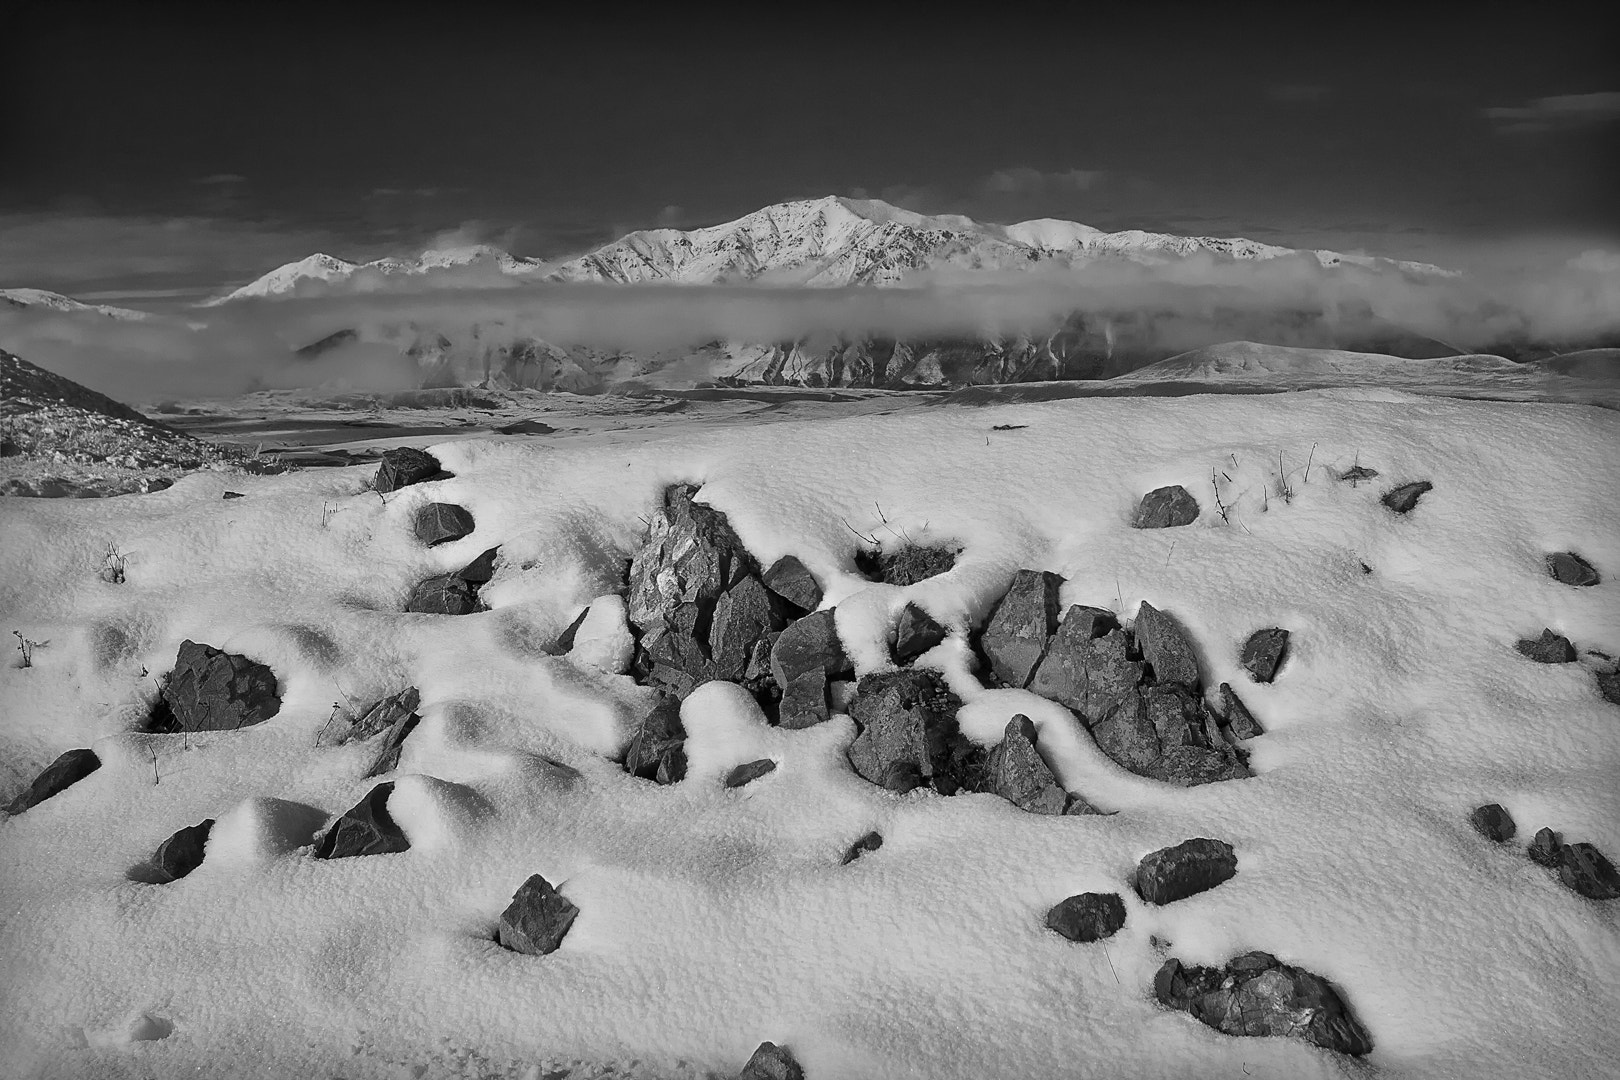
(712, 919)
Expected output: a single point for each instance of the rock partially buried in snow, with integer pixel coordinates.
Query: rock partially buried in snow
(366, 829)
(1256, 994)
(657, 750)
(1587, 871)
(404, 466)
(1025, 616)
(1493, 822)
(793, 582)
(1187, 869)
(1608, 684)
(868, 843)
(916, 633)
(907, 565)
(181, 853)
(1166, 508)
(440, 523)
(1240, 722)
(803, 661)
(537, 919)
(909, 736)
(213, 690)
(1264, 653)
(748, 772)
(1549, 648)
(1544, 848)
(1016, 771)
(1404, 498)
(380, 717)
(446, 594)
(1357, 473)
(1166, 647)
(58, 776)
(1087, 917)
(391, 745)
(1086, 668)
(771, 1062)
(1571, 569)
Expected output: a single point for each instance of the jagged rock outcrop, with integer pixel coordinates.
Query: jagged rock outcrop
(213, 690)
(1256, 994)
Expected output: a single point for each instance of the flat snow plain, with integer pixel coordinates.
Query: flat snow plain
(713, 919)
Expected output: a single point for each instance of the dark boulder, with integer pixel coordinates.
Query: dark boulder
(366, 829)
(446, 594)
(868, 843)
(909, 736)
(536, 920)
(404, 466)
(792, 581)
(1493, 822)
(1256, 995)
(1264, 653)
(380, 717)
(1549, 648)
(1025, 616)
(748, 772)
(1544, 847)
(181, 853)
(1167, 647)
(658, 748)
(771, 1062)
(916, 633)
(441, 523)
(1016, 771)
(213, 690)
(803, 661)
(1189, 868)
(1240, 722)
(1165, 508)
(1571, 569)
(1088, 916)
(1587, 871)
(58, 776)
(1404, 498)
(1090, 675)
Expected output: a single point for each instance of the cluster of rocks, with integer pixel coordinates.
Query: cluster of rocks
(1581, 867)
(1257, 994)
(1138, 691)
(1162, 877)
(1174, 506)
(212, 690)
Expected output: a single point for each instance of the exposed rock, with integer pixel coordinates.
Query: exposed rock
(441, 523)
(1088, 916)
(1189, 766)
(481, 569)
(1256, 994)
(657, 751)
(536, 920)
(916, 633)
(1166, 647)
(1127, 735)
(404, 466)
(1264, 653)
(380, 717)
(743, 615)
(1090, 675)
(1166, 508)
(1357, 473)
(1571, 569)
(366, 829)
(868, 843)
(1025, 616)
(1544, 847)
(1079, 806)
(909, 735)
(1190, 867)
(792, 581)
(1016, 771)
(803, 660)
(906, 565)
(1493, 822)
(771, 1062)
(213, 690)
(233, 495)
(181, 853)
(1549, 648)
(1239, 720)
(1404, 498)
(58, 776)
(393, 741)
(565, 640)
(1608, 683)
(1584, 869)
(447, 594)
(748, 772)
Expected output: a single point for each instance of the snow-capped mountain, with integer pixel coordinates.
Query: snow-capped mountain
(40, 298)
(321, 272)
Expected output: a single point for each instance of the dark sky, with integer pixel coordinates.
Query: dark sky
(215, 142)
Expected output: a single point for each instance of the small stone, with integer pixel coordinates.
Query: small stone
(1549, 648)
(366, 829)
(792, 581)
(771, 1062)
(1493, 822)
(868, 843)
(565, 640)
(1544, 847)
(1088, 916)
(1239, 720)
(1025, 616)
(232, 495)
(1187, 869)
(1264, 653)
(58, 776)
(1571, 569)
(181, 853)
(1079, 806)
(1404, 498)
(446, 594)
(1166, 508)
(916, 633)
(748, 772)
(441, 523)
(1167, 647)
(1016, 771)
(1357, 473)
(536, 920)
(404, 466)
(1587, 871)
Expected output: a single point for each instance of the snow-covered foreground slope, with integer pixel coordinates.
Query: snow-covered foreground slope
(711, 919)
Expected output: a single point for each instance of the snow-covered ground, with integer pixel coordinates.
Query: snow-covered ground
(712, 919)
